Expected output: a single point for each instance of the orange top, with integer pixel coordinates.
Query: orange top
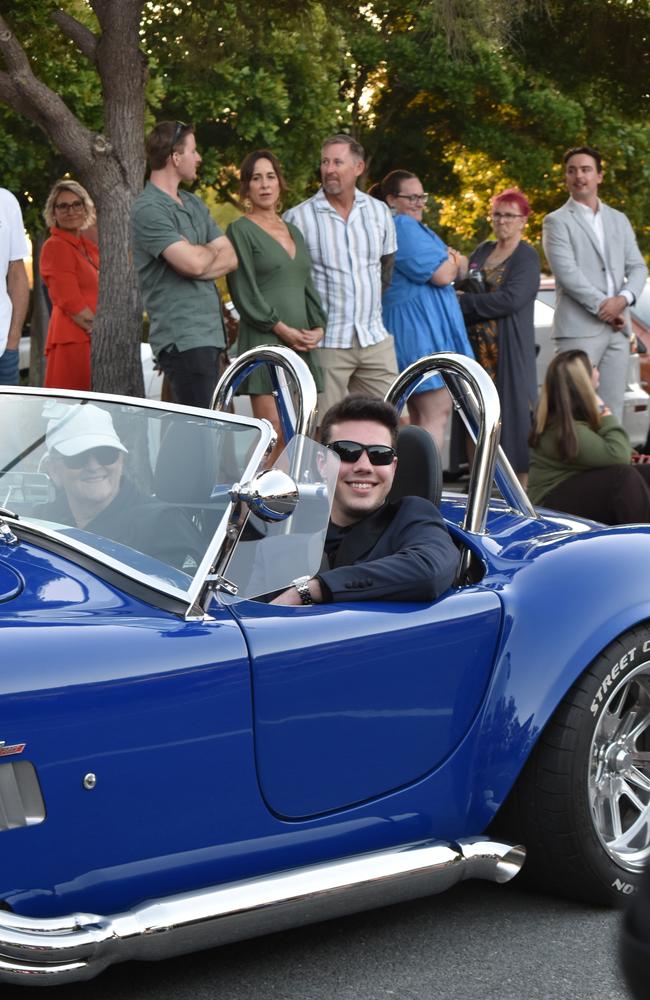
(70, 270)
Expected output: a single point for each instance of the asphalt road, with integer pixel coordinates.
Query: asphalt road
(477, 942)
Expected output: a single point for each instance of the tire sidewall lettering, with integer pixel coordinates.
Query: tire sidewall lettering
(630, 659)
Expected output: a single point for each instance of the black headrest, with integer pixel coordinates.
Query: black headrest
(419, 468)
(185, 468)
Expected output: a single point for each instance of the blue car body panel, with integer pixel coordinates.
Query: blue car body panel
(268, 738)
(353, 704)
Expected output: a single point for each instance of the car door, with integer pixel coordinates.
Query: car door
(354, 701)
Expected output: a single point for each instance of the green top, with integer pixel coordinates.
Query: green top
(609, 445)
(268, 286)
(185, 312)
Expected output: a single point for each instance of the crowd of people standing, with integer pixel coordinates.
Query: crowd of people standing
(361, 287)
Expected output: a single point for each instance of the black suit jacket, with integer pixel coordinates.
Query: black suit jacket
(401, 552)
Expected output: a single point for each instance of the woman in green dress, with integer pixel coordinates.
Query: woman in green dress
(272, 287)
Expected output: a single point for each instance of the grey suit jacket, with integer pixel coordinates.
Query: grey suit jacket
(576, 260)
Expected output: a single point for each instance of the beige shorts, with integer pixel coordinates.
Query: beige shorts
(369, 371)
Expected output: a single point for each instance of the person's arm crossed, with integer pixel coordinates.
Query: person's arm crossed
(202, 262)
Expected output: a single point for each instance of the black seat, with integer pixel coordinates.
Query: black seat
(186, 473)
(419, 468)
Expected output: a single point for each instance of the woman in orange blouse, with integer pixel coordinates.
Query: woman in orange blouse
(70, 270)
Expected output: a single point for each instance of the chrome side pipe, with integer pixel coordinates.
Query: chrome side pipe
(49, 951)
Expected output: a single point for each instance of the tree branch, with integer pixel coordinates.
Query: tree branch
(24, 92)
(82, 36)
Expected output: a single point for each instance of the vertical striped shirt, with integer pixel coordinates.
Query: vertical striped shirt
(346, 264)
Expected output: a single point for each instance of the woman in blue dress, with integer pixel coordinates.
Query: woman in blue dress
(420, 306)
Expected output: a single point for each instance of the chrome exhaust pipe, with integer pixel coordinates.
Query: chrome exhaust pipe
(40, 952)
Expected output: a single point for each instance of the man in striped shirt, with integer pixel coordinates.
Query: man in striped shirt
(351, 241)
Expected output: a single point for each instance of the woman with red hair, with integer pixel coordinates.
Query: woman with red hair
(499, 315)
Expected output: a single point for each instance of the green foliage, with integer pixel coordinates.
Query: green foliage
(29, 163)
(472, 97)
(497, 108)
(250, 78)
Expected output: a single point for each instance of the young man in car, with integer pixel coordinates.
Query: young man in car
(375, 549)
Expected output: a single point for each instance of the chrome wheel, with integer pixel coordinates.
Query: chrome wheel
(619, 771)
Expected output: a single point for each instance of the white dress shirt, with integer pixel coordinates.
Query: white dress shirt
(595, 220)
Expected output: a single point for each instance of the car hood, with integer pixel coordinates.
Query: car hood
(11, 583)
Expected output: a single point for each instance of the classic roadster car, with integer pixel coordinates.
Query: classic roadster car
(184, 764)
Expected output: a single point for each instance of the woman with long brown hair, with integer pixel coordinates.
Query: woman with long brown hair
(580, 454)
(272, 287)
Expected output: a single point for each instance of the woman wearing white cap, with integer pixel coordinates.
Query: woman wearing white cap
(86, 464)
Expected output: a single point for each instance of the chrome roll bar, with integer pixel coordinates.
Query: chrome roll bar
(476, 399)
(280, 362)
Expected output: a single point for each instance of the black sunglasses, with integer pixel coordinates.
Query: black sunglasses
(180, 127)
(351, 451)
(104, 455)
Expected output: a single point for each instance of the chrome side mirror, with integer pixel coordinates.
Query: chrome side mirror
(272, 495)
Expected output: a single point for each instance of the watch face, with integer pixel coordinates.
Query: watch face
(302, 586)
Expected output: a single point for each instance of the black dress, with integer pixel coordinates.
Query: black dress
(511, 304)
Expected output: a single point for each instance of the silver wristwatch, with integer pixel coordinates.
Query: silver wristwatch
(302, 586)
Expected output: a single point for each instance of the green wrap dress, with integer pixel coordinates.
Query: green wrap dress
(271, 286)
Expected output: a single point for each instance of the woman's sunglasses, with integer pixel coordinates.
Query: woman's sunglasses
(351, 451)
(104, 455)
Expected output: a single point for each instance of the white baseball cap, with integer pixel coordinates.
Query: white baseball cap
(81, 428)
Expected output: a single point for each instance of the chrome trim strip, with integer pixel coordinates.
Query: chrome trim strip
(475, 396)
(141, 401)
(36, 951)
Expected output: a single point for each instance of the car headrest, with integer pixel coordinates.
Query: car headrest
(185, 467)
(419, 468)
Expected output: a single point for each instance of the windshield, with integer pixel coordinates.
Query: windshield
(269, 556)
(141, 486)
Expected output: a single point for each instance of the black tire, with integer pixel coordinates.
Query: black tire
(583, 777)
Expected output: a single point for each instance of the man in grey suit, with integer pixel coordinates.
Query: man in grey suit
(599, 272)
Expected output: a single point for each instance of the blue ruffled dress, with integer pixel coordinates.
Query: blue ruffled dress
(423, 318)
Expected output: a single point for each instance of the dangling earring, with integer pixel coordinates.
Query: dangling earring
(247, 205)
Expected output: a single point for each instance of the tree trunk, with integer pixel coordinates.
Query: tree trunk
(110, 166)
(117, 333)
(40, 316)
(123, 70)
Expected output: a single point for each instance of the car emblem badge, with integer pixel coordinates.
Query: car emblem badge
(5, 750)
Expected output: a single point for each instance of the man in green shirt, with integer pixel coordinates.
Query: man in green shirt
(179, 251)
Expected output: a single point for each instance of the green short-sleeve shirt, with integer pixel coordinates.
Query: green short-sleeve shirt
(185, 312)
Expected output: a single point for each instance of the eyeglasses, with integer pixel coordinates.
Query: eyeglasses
(351, 451)
(69, 206)
(180, 126)
(414, 199)
(104, 455)
(507, 216)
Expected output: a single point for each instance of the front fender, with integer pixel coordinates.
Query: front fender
(565, 599)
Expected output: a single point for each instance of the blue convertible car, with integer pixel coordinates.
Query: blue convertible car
(183, 764)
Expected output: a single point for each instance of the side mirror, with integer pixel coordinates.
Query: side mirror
(272, 495)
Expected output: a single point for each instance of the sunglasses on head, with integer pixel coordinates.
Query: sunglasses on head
(351, 451)
(104, 455)
(178, 132)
